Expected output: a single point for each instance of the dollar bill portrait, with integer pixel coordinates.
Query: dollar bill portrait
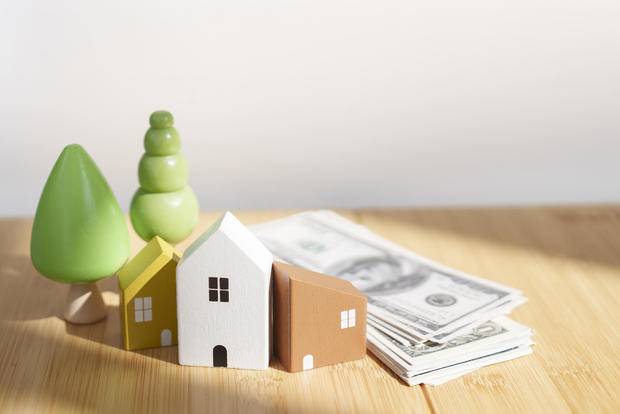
(381, 275)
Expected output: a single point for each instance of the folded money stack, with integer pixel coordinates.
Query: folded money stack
(427, 322)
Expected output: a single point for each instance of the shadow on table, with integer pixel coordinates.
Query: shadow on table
(581, 233)
(29, 296)
(49, 369)
(26, 295)
(169, 354)
(108, 331)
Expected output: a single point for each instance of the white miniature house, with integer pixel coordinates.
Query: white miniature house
(223, 283)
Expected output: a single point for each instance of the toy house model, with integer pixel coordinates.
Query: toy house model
(223, 298)
(318, 319)
(148, 299)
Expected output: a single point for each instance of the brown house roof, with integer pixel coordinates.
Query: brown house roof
(318, 279)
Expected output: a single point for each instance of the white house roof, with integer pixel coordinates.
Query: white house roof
(238, 234)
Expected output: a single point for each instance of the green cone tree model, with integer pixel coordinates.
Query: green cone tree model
(79, 233)
(164, 205)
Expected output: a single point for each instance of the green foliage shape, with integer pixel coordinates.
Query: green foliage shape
(164, 205)
(79, 233)
(161, 173)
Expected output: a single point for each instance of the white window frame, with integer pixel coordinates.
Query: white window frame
(143, 309)
(347, 319)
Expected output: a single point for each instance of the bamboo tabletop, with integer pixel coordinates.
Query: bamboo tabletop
(565, 260)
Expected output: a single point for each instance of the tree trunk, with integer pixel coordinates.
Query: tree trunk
(84, 304)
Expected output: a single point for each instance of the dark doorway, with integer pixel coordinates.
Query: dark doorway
(220, 358)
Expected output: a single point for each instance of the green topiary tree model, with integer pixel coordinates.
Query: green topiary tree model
(164, 205)
(79, 233)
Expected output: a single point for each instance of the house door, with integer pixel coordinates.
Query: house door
(166, 337)
(308, 362)
(220, 357)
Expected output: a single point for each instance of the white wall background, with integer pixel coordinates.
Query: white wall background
(320, 103)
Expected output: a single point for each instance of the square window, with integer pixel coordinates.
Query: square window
(218, 289)
(347, 319)
(137, 303)
(148, 315)
(223, 283)
(147, 303)
(138, 315)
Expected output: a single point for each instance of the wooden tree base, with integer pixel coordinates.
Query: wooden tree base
(85, 304)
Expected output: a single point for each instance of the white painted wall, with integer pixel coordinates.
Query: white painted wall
(320, 103)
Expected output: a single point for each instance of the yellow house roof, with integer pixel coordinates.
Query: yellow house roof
(150, 260)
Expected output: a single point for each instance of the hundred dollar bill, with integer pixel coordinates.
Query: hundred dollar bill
(409, 332)
(443, 375)
(489, 337)
(424, 295)
(447, 373)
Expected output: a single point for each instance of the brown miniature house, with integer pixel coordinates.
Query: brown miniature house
(318, 319)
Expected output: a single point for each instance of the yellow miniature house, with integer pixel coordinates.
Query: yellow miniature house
(148, 304)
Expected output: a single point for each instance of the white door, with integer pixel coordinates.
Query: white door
(308, 362)
(166, 337)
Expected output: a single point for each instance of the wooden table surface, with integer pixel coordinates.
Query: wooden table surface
(566, 260)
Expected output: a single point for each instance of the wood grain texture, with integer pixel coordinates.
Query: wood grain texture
(566, 260)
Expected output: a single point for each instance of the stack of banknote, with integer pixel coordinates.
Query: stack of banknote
(427, 322)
